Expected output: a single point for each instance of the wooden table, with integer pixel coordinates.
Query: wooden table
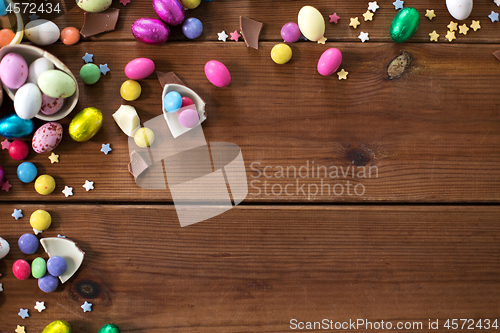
(420, 243)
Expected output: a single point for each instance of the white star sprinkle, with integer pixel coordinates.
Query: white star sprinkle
(363, 36)
(40, 306)
(37, 231)
(222, 36)
(1, 287)
(67, 191)
(86, 306)
(88, 185)
(373, 6)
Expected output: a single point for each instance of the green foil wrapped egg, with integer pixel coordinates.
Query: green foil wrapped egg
(58, 326)
(404, 24)
(85, 124)
(109, 328)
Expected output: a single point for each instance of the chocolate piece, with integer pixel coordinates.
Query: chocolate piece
(97, 23)
(168, 78)
(8, 21)
(250, 29)
(497, 54)
(399, 65)
(137, 164)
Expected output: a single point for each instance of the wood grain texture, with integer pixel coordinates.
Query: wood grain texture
(432, 134)
(253, 269)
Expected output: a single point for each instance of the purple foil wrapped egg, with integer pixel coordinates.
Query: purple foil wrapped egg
(170, 11)
(150, 31)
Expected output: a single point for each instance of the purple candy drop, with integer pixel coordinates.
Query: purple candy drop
(291, 32)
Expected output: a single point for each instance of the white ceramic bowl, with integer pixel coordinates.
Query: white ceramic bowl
(31, 53)
(172, 118)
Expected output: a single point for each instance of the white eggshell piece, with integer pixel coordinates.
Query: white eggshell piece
(27, 101)
(42, 32)
(459, 9)
(37, 67)
(127, 119)
(67, 249)
(4, 248)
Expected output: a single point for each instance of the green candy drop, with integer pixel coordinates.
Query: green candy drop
(404, 24)
(109, 328)
(90, 73)
(38, 268)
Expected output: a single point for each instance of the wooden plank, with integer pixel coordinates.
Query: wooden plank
(255, 268)
(432, 135)
(224, 15)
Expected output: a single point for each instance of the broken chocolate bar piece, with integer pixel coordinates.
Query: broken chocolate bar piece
(97, 23)
(8, 21)
(250, 29)
(497, 54)
(168, 78)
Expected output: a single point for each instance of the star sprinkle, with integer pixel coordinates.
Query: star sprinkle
(106, 148)
(368, 16)
(222, 36)
(363, 36)
(334, 18)
(88, 57)
(429, 13)
(20, 329)
(5, 144)
(475, 25)
(18, 213)
(322, 40)
(6, 186)
(54, 158)
(36, 232)
(398, 4)
(104, 69)
(354, 22)
(452, 26)
(88, 185)
(1, 287)
(67, 191)
(463, 29)
(40, 306)
(23, 313)
(124, 2)
(342, 74)
(61, 236)
(493, 16)
(34, 17)
(373, 6)
(450, 36)
(86, 306)
(434, 36)
(235, 35)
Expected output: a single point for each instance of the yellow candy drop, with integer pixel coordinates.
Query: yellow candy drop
(40, 220)
(144, 137)
(281, 53)
(130, 90)
(45, 184)
(191, 4)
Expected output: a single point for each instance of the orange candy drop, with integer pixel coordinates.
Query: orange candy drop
(6, 36)
(70, 35)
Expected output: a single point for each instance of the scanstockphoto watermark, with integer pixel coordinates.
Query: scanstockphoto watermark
(310, 180)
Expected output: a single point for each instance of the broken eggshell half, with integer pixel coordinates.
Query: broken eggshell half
(67, 249)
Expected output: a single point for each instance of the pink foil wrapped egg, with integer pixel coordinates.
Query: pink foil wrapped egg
(150, 31)
(47, 137)
(170, 11)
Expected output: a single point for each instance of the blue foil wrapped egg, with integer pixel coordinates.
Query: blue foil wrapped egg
(13, 127)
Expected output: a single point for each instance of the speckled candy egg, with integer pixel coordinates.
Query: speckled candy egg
(150, 31)
(51, 105)
(13, 70)
(47, 137)
(42, 32)
(56, 84)
(170, 11)
(94, 6)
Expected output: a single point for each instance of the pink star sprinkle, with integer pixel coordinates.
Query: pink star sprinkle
(124, 2)
(6, 186)
(334, 18)
(5, 144)
(235, 35)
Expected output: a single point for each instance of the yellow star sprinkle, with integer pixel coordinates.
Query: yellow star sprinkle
(430, 14)
(54, 158)
(322, 40)
(452, 26)
(475, 25)
(354, 22)
(450, 36)
(434, 36)
(463, 29)
(368, 16)
(342, 74)
(20, 329)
